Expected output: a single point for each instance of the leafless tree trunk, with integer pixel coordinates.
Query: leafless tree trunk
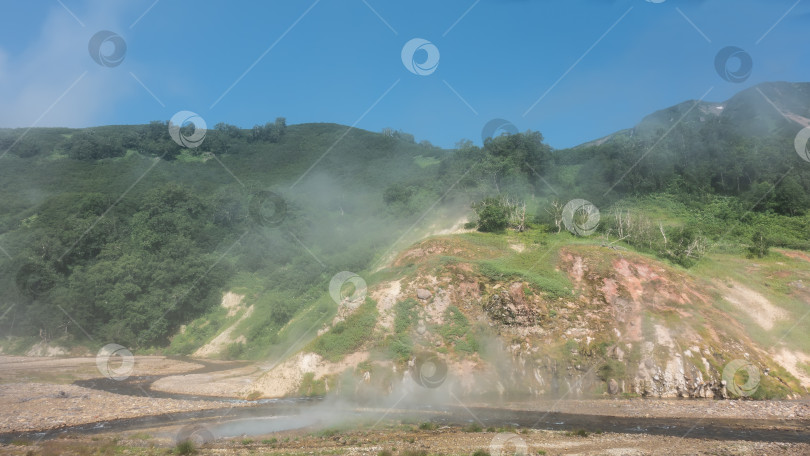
(556, 213)
(520, 216)
(661, 227)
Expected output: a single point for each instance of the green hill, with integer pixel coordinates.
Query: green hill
(118, 234)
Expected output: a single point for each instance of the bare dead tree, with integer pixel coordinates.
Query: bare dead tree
(621, 220)
(518, 210)
(556, 211)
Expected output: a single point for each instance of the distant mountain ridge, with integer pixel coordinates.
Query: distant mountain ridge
(757, 111)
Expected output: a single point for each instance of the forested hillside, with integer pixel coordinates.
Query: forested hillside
(119, 234)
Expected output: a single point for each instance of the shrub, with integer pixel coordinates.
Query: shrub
(473, 427)
(611, 369)
(493, 215)
(185, 447)
(759, 245)
(234, 350)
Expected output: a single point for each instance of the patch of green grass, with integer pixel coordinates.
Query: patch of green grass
(271, 441)
(424, 162)
(770, 279)
(611, 369)
(326, 433)
(348, 335)
(770, 386)
(413, 452)
(400, 344)
(531, 267)
(199, 332)
(577, 433)
(311, 387)
(186, 156)
(456, 324)
(405, 315)
(458, 332)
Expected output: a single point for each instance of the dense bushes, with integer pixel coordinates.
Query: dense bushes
(497, 214)
(683, 233)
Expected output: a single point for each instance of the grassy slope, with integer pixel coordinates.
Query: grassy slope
(497, 263)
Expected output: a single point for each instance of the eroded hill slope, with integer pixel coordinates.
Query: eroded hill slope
(535, 315)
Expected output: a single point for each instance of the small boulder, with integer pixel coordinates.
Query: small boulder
(613, 387)
(421, 293)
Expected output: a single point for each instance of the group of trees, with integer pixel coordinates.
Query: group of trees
(680, 244)
(495, 214)
(87, 145)
(718, 177)
(271, 132)
(710, 158)
(230, 139)
(151, 139)
(132, 271)
(131, 275)
(136, 270)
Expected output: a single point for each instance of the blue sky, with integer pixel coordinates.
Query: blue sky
(587, 67)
